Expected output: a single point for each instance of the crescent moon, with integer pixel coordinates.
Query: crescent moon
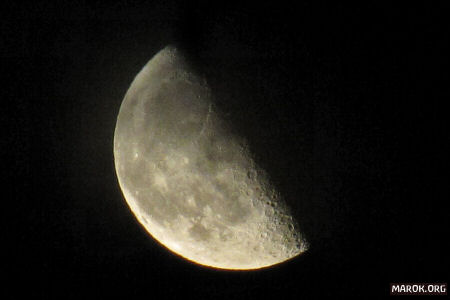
(190, 182)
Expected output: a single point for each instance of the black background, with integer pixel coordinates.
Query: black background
(343, 105)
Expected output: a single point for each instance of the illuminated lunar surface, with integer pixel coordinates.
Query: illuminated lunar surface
(191, 183)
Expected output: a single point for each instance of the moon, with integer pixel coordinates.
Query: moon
(190, 181)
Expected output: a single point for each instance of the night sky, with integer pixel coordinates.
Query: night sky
(343, 106)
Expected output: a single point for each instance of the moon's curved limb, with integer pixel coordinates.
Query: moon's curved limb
(191, 183)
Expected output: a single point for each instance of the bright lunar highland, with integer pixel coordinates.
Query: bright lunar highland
(190, 181)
